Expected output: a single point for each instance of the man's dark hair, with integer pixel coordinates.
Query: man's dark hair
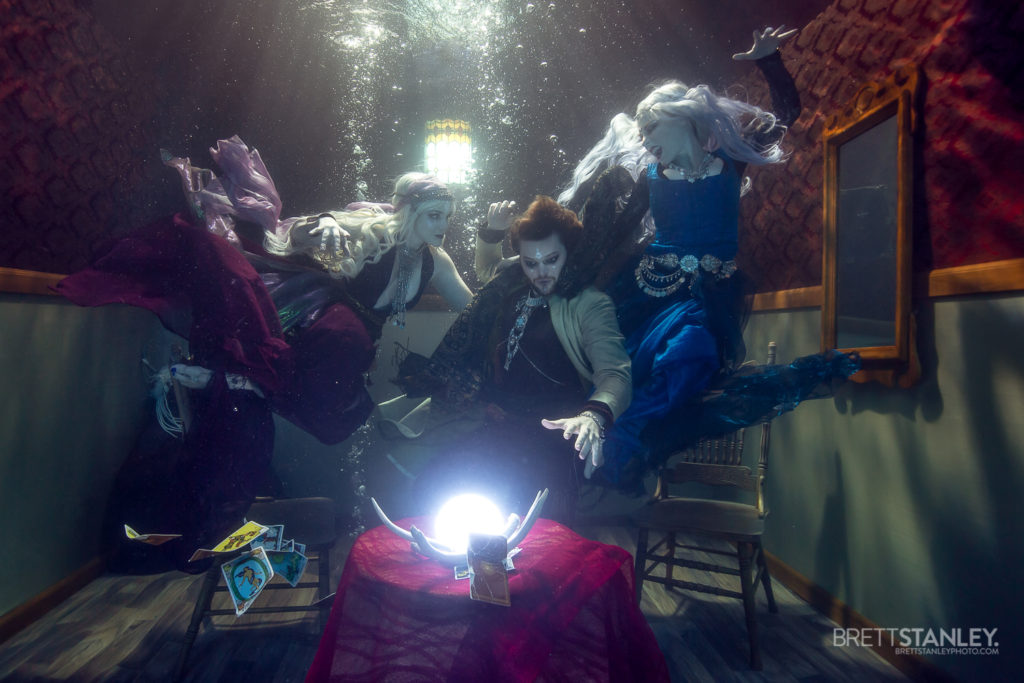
(544, 217)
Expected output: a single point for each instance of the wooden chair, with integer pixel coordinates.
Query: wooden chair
(307, 520)
(716, 462)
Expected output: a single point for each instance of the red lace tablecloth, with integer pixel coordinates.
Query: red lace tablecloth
(401, 617)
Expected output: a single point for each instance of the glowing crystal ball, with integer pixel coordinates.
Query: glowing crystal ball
(465, 514)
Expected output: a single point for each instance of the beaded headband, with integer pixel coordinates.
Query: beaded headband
(436, 193)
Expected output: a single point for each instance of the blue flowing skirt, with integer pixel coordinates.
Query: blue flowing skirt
(688, 383)
(674, 357)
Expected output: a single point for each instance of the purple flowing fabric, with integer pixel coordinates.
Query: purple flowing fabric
(248, 185)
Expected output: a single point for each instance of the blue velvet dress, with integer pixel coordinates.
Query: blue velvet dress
(679, 303)
(682, 306)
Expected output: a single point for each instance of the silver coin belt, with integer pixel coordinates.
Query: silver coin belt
(664, 274)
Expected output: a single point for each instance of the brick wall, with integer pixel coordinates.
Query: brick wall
(968, 202)
(82, 124)
(72, 151)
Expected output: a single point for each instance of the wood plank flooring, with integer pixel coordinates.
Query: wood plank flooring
(704, 637)
(130, 629)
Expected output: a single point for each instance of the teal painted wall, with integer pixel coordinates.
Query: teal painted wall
(906, 504)
(72, 400)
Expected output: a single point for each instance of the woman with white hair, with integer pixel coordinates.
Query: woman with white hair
(679, 296)
(281, 316)
(334, 279)
(290, 328)
(386, 253)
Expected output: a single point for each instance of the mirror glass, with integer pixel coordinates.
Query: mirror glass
(866, 231)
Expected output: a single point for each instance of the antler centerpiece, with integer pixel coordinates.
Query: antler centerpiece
(515, 531)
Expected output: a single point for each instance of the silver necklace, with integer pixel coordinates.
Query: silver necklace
(406, 260)
(524, 308)
(701, 171)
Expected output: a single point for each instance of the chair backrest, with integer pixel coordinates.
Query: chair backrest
(719, 461)
(306, 520)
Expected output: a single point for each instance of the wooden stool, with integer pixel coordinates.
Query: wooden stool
(307, 520)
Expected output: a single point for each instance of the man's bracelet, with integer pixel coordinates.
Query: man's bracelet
(490, 236)
(597, 418)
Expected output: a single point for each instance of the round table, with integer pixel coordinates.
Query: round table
(399, 616)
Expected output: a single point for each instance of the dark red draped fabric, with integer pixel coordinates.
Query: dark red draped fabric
(398, 616)
(200, 286)
(205, 290)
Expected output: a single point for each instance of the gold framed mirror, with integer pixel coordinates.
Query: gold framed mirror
(868, 221)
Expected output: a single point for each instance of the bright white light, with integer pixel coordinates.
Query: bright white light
(465, 514)
(449, 150)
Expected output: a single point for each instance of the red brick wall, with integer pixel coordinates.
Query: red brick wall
(72, 150)
(968, 202)
(82, 125)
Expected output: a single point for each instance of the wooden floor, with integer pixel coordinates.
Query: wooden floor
(130, 628)
(704, 637)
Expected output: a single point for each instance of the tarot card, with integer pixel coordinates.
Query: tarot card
(151, 539)
(238, 539)
(287, 546)
(300, 548)
(509, 565)
(270, 540)
(246, 576)
(289, 565)
(488, 578)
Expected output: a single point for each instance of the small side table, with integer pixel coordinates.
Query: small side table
(308, 520)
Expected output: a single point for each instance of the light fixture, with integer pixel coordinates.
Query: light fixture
(449, 150)
(463, 515)
(514, 531)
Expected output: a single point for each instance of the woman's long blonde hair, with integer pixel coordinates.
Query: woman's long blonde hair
(375, 229)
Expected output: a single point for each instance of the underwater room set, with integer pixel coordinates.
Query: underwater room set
(280, 278)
